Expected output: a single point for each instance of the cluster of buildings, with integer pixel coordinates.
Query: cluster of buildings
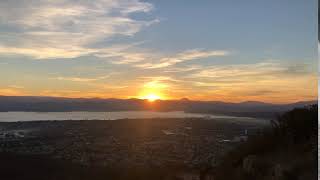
(119, 145)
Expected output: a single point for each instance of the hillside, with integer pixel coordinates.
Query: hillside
(287, 151)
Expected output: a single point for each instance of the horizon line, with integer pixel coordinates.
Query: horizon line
(180, 99)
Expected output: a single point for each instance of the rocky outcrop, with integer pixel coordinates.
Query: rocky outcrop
(278, 172)
(249, 163)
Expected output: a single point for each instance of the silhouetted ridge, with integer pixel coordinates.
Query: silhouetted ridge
(60, 104)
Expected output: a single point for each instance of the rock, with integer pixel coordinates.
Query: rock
(249, 164)
(277, 172)
(188, 176)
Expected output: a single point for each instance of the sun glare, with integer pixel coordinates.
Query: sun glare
(151, 97)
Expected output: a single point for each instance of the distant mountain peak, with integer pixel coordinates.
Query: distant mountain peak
(254, 103)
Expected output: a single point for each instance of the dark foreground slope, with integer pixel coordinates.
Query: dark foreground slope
(288, 151)
(122, 149)
(144, 150)
(28, 167)
(32, 167)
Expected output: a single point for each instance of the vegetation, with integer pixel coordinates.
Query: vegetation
(287, 150)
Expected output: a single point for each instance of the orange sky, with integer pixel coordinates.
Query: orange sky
(262, 51)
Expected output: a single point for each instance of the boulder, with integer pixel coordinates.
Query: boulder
(249, 164)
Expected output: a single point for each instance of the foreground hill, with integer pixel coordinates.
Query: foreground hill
(128, 149)
(287, 151)
(58, 104)
(161, 149)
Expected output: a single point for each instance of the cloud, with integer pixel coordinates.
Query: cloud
(159, 78)
(108, 86)
(267, 81)
(46, 29)
(88, 93)
(183, 69)
(11, 92)
(16, 87)
(146, 59)
(66, 28)
(182, 57)
(46, 52)
(81, 79)
(76, 79)
(260, 92)
(122, 55)
(258, 71)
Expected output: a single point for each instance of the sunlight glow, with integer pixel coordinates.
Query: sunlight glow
(151, 97)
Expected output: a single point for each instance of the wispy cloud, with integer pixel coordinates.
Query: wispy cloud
(81, 79)
(257, 71)
(11, 92)
(183, 69)
(148, 59)
(91, 93)
(45, 29)
(16, 87)
(267, 81)
(66, 28)
(182, 57)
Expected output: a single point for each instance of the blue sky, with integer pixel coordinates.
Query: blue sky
(207, 50)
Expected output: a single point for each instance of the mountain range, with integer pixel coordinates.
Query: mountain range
(61, 104)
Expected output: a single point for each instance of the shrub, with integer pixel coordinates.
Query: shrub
(298, 125)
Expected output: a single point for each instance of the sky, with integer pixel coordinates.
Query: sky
(211, 50)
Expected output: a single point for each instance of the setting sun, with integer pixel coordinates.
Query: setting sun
(167, 90)
(151, 97)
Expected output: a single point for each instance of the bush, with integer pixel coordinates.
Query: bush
(297, 126)
(290, 132)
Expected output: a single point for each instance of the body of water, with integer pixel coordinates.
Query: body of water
(82, 115)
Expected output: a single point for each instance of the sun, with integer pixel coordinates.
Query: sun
(151, 97)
